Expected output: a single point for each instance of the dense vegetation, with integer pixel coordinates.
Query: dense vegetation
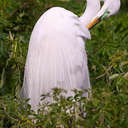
(107, 60)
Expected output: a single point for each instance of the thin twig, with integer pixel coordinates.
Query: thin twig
(102, 75)
(10, 35)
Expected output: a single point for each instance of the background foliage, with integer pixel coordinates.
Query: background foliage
(107, 61)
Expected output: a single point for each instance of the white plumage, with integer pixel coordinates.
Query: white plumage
(112, 6)
(56, 55)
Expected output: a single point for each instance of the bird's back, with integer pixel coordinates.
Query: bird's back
(56, 55)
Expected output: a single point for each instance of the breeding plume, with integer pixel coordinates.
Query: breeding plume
(56, 55)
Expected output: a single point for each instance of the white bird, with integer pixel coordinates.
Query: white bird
(56, 55)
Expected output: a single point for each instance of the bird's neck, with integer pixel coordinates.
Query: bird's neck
(92, 8)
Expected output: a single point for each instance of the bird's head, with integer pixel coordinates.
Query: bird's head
(110, 7)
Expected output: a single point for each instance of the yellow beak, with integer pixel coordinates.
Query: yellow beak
(93, 23)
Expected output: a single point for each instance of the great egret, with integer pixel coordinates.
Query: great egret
(56, 55)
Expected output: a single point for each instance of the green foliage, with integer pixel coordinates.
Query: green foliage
(107, 60)
(105, 108)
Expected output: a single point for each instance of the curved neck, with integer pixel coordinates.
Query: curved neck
(92, 8)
